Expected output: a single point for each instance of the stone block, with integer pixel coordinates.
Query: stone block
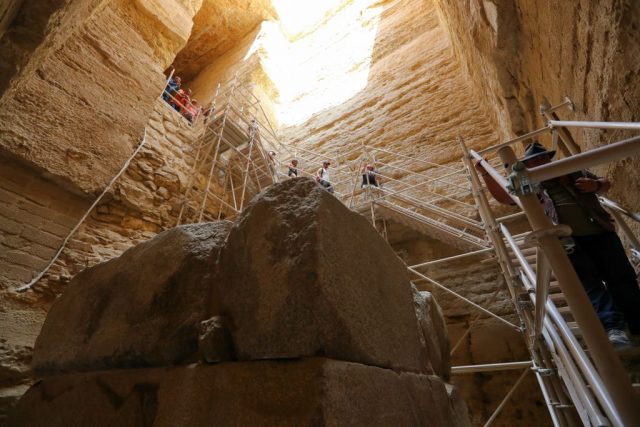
(141, 309)
(14, 273)
(156, 125)
(302, 275)
(9, 226)
(434, 332)
(308, 392)
(18, 257)
(173, 139)
(38, 236)
(170, 127)
(9, 197)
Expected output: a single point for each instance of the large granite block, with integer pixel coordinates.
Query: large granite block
(302, 275)
(141, 309)
(307, 392)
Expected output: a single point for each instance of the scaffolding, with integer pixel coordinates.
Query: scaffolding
(231, 162)
(582, 380)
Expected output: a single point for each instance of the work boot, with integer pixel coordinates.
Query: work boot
(619, 339)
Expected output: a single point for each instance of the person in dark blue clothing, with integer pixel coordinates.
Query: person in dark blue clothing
(594, 248)
(173, 86)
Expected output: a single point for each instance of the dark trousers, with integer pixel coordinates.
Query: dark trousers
(609, 279)
(369, 180)
(326, 185)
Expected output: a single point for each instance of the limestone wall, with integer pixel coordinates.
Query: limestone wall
(515, 55)
(8, 11)
(416, 99)
(79, 103)
(219, 26)
(36, 215)
(241, 66)
(143, 201)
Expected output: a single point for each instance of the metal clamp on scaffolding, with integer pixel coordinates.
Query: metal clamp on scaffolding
(558, 230)
(520, 183)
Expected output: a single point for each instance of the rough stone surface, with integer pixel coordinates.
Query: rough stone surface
(39, 214)
(416, 101)
(516, 55)
(306, 276)
(214, 341)
(434, 331)
(488, 341)
(308, 392)
(142, 309)
(97, 63)
(213, 34)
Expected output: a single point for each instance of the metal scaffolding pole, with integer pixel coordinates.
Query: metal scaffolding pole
(491, 367)
(605, 154)
(606, 360)
(506, 399)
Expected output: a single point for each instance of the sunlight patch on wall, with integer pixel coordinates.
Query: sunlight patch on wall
(318, 55)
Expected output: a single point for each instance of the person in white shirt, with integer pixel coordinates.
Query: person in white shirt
(322, 176)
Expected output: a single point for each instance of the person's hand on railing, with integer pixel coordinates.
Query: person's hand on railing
(591, 185)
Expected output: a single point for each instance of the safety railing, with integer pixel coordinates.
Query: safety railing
(231, 143)
(183, 104)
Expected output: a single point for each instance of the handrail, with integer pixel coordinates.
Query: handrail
(605, 154)
(579, 355)
(593, 125)
(606, 360)
(613, 205)
(451, 215)
(617, 211)
(514, 140)
(410, 158)
(428, 191)
(429, 178)
(452, 258)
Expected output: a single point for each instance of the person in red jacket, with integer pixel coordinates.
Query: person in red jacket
(594, 248)
(179, 100)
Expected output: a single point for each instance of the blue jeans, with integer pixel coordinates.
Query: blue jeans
(326, 185)
(609, 280)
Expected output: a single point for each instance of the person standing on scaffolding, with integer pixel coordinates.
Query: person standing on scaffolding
(594, 248)
(253, 128)
(173, 86)
(293, 169)
(369, 177)
(322, 176)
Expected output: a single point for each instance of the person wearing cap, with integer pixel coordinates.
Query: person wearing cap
(322, 176)
(594, 248)
(293, 169)
(369, 177)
